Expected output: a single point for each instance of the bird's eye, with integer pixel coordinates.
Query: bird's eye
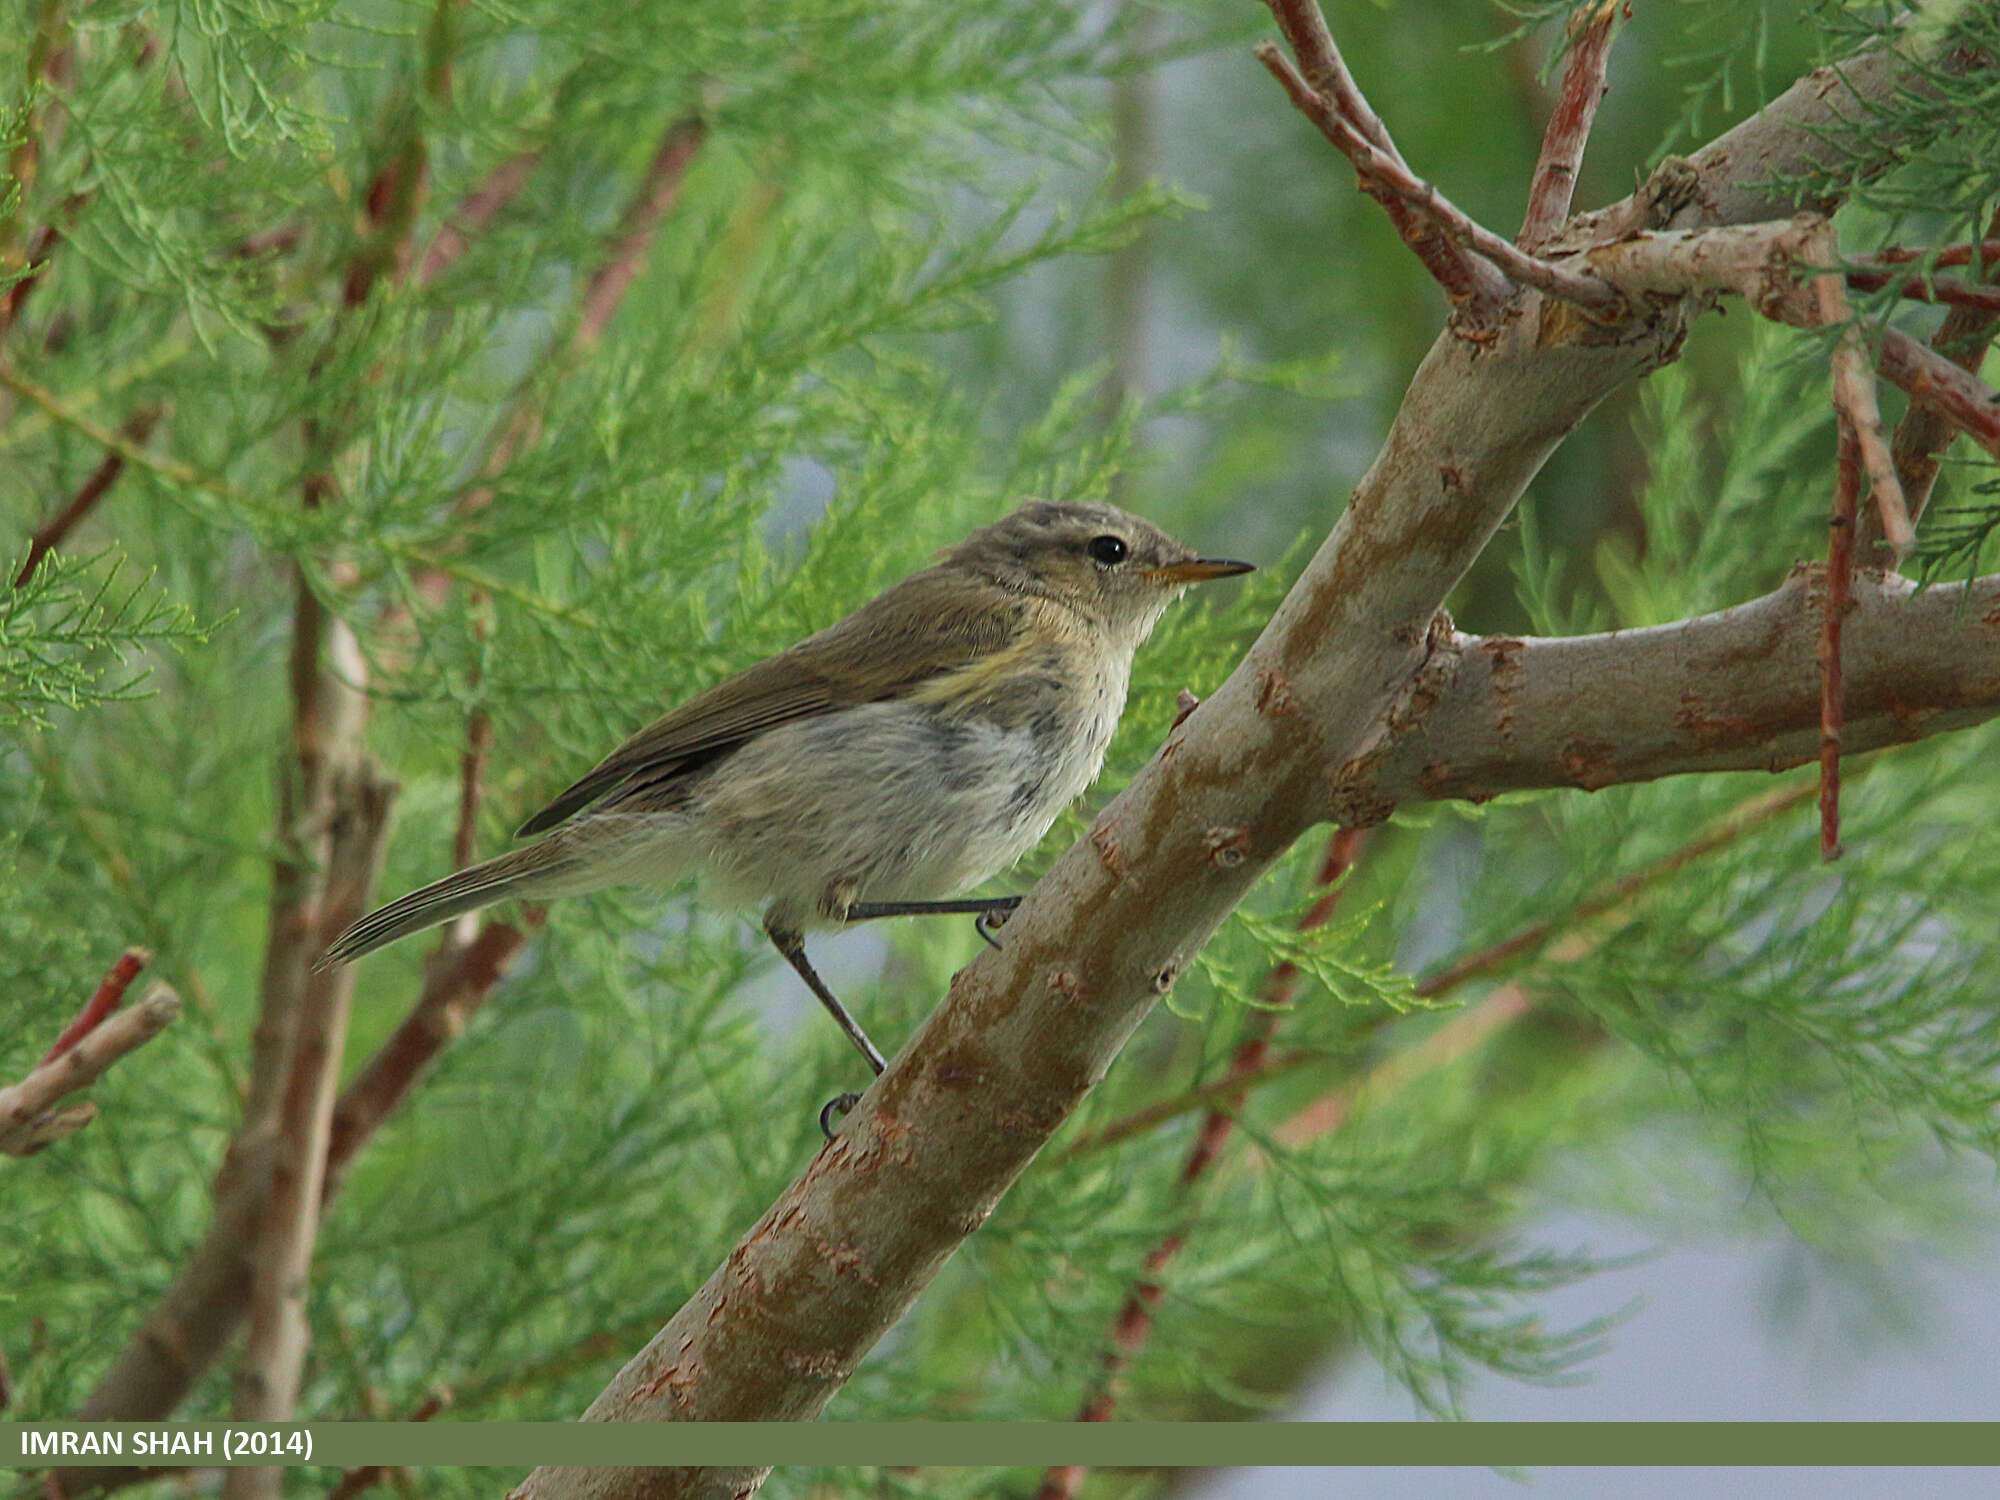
(1107, 549)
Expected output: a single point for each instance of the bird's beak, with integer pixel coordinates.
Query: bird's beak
(1199, 570)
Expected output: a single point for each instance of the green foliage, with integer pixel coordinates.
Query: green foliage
(73, 636)
(871, 316)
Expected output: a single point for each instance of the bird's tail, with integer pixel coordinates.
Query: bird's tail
(535, 870)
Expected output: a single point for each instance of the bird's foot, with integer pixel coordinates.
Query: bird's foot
(836, 1108)
(993, 918)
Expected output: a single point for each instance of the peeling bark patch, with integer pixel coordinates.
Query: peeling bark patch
(1503, 652)
(1274, 696)
(1590, 764)
(847, 1261)
(1227, 846)
(1356, 806)
(1104, 839)
(1065, 982)
(678, 1380)
(1433, 779)
(815, 1366)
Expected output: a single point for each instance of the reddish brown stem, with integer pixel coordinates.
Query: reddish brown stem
(16, 296)
(450, 996)
(1725, 831)
(1432, 214)
(1569, 124)
(1467, 282)
(1924, 434)
(360, 1480)
(1936, 289)
(1983, 253)
(1839, 583)
(1327, 78)
(54, 531)
(495, 191)
(1961, 398)
(625, 254)
(1129, 1330)
(636, 229)
(109, 993)
(471, 786)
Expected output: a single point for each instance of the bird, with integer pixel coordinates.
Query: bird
(880, 767)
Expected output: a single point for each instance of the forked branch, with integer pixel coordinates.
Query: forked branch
(29, 1115)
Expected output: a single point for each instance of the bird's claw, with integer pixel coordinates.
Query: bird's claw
(992, 920)
(836, 1108)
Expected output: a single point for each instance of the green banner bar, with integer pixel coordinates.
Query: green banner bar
(1002, 1444)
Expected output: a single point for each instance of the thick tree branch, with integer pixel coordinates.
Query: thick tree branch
(1027, 1031)
(1738, 690)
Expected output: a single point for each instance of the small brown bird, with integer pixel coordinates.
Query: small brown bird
(903, 755)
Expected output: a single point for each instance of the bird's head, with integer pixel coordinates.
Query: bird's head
(1106, 563)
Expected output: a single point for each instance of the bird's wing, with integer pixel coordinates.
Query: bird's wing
(930, 624)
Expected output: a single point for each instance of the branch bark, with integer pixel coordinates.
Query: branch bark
(1025, 1032)
(1737, 690)
(268, 1376)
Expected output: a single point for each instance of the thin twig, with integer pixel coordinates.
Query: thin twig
(1455, 1039)
(110, 992)
(495, 191)
(15, 297)
(1606, 899)
(1925, 433)
(1839, 583)
(1959, 396)
(1854, 398)
(25, 1124)
(52, 532)
(1943, 290)
(471, 786)
(660, 190)
(1973, 253)
(1133, 1324)
(1595, 297)
(1465, 282)
(1568, 130)
(45, 51)
(360, 1480)
(452, 992)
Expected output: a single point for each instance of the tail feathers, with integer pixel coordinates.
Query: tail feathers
(519, 873)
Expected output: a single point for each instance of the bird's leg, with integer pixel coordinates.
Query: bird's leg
(992, 911)
(790, 942)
